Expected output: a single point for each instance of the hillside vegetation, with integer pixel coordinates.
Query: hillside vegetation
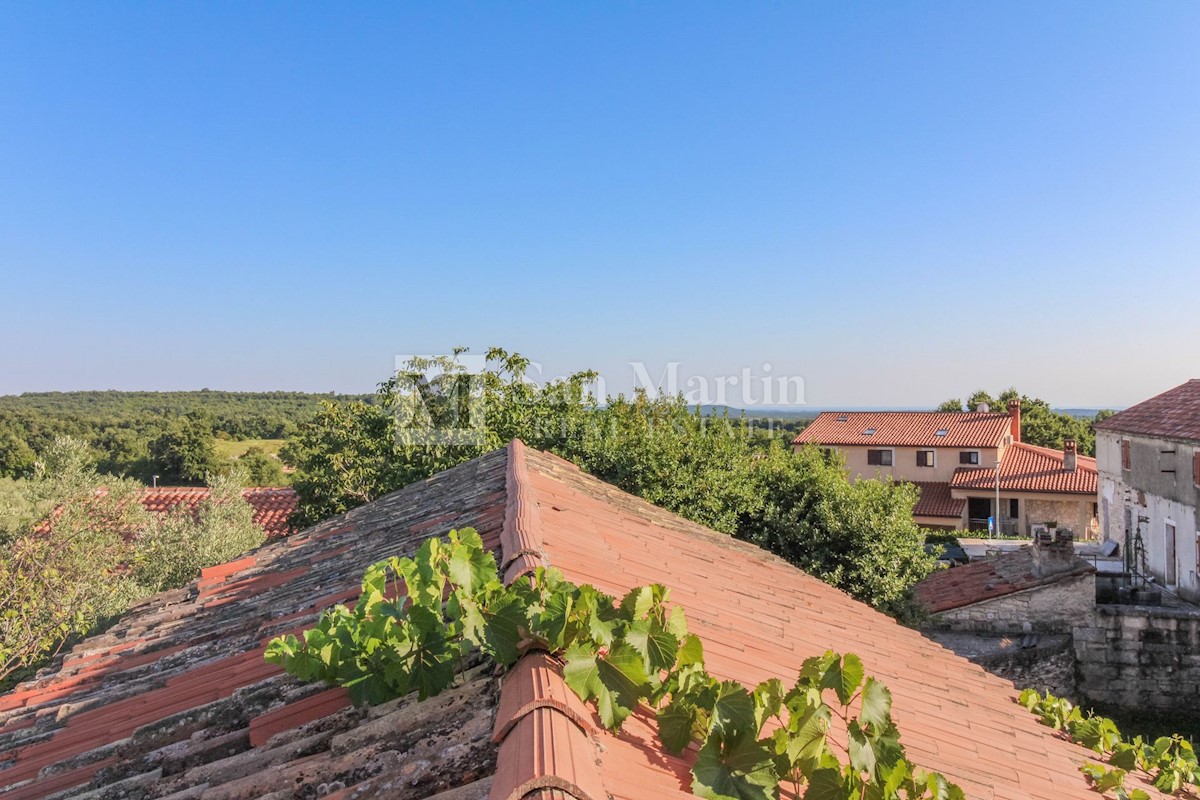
(179, 436)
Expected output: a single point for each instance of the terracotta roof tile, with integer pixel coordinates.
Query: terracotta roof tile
(1174, 414)
(1027, 468)
(935, 501)
(906, 428)
(177, 699)
(986, 579)
(272, 506)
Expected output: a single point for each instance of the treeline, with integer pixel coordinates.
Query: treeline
(141, 434)
(1041, 425)
(719, 471)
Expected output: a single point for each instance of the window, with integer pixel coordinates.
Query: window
(1126, 461)
(942, 432)
(968, 457)
(842, 418)
(869, 432)
(879, 458)
(1014, 509)
(925, 458)
(1196, 468)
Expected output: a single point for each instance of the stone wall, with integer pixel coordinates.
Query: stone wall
(1053, 608)
(1140, 657)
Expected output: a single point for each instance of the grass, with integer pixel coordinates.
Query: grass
(227, 448)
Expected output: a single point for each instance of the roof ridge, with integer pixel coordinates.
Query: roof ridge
(542, 727)
(521, 534)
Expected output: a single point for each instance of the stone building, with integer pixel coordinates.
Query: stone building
(1149, 463)
(1045, 588)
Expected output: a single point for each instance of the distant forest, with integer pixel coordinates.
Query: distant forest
(140, 434)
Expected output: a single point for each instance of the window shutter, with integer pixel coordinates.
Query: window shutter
(1126, 462)
(1196, 468)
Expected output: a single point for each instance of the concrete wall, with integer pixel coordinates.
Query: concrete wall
(1158, 490)
(1140, 657)
(1053, 608)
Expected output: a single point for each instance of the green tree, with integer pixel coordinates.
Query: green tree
(859, 537)
(1040, 424)
(58, 583)
(185, 453)
(16, 457)
(953, 404)
(715, 470)
(260, 468)
(430, 416)
(174, 547)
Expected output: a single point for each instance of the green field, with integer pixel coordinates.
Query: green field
(226, 448)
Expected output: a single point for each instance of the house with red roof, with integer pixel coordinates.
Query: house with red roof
(959, 460)
(273, 506)
(176, 701)
(1149, 462)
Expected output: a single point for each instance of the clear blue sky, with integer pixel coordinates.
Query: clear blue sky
(896, 202)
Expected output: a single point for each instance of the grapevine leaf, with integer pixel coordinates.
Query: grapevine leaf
(471, 567)
(733, 714)
(768, 700)
(862, 753)
(844, 676)
(826, 784)
(738, 769)
(656, 645)
(676, 722)
(876, 705)
(638, 602)
(502, 629)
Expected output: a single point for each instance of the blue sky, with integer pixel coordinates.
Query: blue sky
(896, 202)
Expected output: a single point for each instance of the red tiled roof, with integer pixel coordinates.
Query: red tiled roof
(1028, 468)
(176, 699)
(987, 579)
(936, 501)
(907, 428)
(272, 506)
(1174, 414)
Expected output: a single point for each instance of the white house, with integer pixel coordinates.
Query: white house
(1149, 462)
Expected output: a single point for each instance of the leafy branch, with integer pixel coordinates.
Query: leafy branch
(1169, 762)
(418, 617)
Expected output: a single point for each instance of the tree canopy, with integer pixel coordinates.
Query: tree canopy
(718, 471)
(1040, 424)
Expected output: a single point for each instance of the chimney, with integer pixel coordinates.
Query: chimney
(1014, 411)
(1053, 552)
(1070, 455)
(983, 408)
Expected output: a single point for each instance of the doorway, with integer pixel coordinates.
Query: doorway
(1171, 570)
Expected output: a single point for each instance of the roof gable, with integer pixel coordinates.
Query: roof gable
(1029, 468)
(988, 579)
(907, 429)
(177, 695)
(1174, 414)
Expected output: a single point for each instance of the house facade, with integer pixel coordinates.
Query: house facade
(1149, 492)
(959, 460)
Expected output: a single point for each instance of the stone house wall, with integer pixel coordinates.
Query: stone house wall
(1052, 608)
(1140, 657)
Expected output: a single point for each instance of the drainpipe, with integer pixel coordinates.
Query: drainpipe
(997, 496)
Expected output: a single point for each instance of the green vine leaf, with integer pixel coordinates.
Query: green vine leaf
(740, 769)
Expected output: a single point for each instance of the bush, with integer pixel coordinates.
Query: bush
(175, 546)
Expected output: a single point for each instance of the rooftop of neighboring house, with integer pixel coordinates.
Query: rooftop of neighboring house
(272, 505)
(176, 699)
(907, 429)
(1029, 468)
(1174, 414)
(936, 501)
(989, 578)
